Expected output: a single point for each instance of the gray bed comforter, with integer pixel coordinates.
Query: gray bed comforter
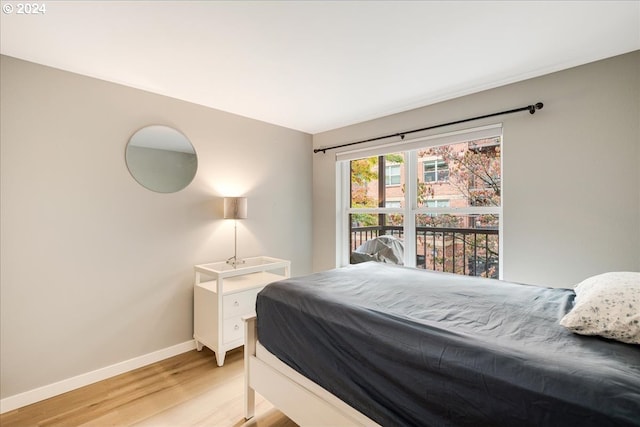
(412, 347)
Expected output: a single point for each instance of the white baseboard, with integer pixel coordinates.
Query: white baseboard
(32, 396)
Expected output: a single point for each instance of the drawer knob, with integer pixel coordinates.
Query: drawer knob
(236, 327)
(236, 303)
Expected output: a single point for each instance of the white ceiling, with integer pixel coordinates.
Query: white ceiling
(318, 65)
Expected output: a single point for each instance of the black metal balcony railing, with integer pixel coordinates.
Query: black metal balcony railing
(468, 251)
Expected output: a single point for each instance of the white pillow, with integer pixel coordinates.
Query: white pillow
(607, 305)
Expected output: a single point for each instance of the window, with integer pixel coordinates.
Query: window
(437, 203)
(392, 175)
(441, 198)
(435, 170)
(375, 210)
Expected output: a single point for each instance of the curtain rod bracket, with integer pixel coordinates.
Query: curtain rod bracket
(531, 108)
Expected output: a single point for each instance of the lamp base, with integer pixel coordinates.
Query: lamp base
(235, 262)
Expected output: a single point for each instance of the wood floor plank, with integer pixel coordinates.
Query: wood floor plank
(185, 390)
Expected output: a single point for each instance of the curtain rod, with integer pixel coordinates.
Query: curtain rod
(531, 108)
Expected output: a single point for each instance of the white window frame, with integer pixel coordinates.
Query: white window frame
(409, 212)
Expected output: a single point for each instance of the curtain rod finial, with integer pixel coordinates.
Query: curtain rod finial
(537, 106)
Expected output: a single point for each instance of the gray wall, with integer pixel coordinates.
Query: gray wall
(95, 269)
(571, 196)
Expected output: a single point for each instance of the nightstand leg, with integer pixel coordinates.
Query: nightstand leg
(198, 345)
(220, 357)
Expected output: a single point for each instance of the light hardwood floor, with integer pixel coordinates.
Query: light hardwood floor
(185, 390)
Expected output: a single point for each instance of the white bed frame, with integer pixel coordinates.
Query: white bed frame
(302, 400)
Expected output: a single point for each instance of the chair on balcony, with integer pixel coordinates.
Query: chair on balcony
(387, 249)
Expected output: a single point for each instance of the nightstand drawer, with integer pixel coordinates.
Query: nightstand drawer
(233, 329)
(240, 303)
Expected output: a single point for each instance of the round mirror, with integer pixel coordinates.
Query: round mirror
(161, 159)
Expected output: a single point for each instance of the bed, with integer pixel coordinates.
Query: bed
(378, 344)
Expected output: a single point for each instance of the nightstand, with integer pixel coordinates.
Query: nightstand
(224, 294)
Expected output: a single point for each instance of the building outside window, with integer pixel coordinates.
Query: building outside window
(437, 203)
(392, 175)
(435, 170)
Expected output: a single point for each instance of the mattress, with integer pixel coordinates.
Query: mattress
(412, 347)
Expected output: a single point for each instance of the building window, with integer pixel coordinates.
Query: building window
(440, 203)
(392, 175)
(437, 203)
(443, 202)
(435, 170)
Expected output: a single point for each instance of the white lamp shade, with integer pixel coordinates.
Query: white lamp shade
(235, 207)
